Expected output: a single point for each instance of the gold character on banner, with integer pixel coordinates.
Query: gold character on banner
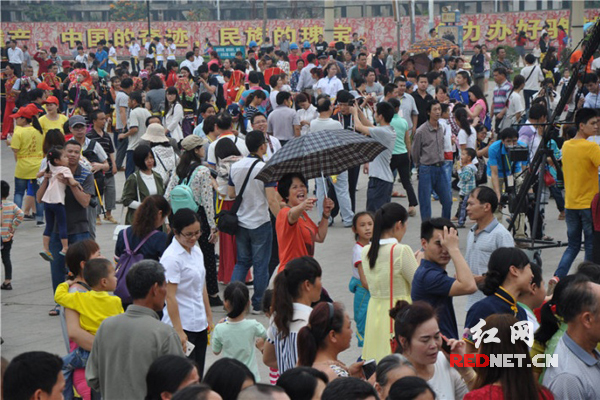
(342, 33)
(95, 35)
(228, 37)
(180, 37)
(71, 37)
(311, 33)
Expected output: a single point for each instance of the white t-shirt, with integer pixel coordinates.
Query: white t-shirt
(446, 381)
(356, 259)
(83, 59)
(321, 124)
(112, 55)
(449, 146)
(307, 115)
(469, 140)
(188, 272)
(134, 50)
(240, 144)
(273, 145)
(147, 47)
(171, 51)
(515, 104)
(160, 52)
(286, 351)
(596, 64)
(533, 83)
(137, 118)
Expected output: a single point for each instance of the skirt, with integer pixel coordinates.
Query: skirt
(227, 250)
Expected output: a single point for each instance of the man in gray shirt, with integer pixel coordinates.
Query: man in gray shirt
(127, 344)
(503, 62)
(428, 156)
(122, 108)
(284, 44)
(576, 372)
(408, 107)
(283, 122)
(381, 179)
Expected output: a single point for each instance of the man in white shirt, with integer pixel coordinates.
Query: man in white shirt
(137, 128)
(147, 45)
(134, 53)
(198, 60)
(171, 48)
(160, 52)
(342, 192)
(592, 99)
(15, 57)
(306, 81)
(533, 76)
(254, 237)
(188, 62)
(306, 113)
(112, 57)
(224, 127)
(258, 122)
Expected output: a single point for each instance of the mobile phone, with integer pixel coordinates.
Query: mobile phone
(369, 368)
(445, 345)
(189, 347)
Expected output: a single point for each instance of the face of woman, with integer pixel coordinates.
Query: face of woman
(472, 97)
(297, 193)
(189, 235)
(200, 151)
(171, 97)
(226, 64)
(20, 121)
(400, 230)
(185, 73)
(149, 161)
(425, 343)
(345, 336)
(332, 71)
(315, 290)
(191, 379)
(441, 96)
(160, 219)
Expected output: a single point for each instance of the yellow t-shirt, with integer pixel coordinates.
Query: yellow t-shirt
(58, 124)
(28, 142)
(581, 159)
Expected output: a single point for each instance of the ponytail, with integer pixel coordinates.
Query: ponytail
(324, 318)
(237, 294)
(36, 124)
(287, 290)
(462, 118)
(550, 315)
(499, 265)
(55, 153)
(385, 219)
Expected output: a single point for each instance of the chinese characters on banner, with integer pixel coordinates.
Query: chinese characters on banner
(493, 29)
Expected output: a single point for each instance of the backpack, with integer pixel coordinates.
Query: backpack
(126, 261)
(182, 195)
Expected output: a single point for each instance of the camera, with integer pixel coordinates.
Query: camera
(518, 154)
(510, 199)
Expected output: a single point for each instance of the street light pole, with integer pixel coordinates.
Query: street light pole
(148, 14)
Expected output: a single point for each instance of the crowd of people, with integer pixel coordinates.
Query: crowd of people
(190, 138)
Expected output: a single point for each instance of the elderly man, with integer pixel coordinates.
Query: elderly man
(111, 369)
(577, 372)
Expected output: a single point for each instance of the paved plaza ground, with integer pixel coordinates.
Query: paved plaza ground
(26, 326)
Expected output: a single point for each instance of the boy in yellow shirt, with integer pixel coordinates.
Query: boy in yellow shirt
(93, 307)
(581, 159)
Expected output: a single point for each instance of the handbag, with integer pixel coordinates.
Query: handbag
(227, 220)
(549, 179)
(393, 341)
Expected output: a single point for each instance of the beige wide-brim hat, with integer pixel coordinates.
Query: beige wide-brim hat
(155, 133)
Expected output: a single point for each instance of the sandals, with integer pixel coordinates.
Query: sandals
(54, 312)
(46, 255)
(6, 286)
(397, 194)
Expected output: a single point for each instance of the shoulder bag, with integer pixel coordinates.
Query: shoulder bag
(227, 220)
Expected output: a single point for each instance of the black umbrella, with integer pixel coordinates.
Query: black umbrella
(322, 153)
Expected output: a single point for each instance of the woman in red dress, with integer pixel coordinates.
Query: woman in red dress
(11, 98)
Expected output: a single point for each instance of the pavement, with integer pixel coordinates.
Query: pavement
(26, 326)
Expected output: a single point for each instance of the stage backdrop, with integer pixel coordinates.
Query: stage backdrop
(493, 29)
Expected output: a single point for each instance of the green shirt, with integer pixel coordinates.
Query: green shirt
(400, 125)
(237, 340)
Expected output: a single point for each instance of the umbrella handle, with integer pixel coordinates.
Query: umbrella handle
(324, 184)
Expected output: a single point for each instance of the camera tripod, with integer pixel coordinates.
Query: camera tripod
(537, 166)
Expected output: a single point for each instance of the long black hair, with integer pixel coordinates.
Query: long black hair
(171, 90)
(237, 294)
(324, 318)
(461, 116)
(385, 219)
(287, 289)
(55, 153)
(227, 376)
(499, 266)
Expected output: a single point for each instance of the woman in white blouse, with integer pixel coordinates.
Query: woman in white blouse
(188, 307)
(330, 84)
(173, 114)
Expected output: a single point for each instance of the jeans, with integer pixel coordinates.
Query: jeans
(558, 197)
(401, 163)
(134, 64)
(343, 196)
(74, 360)
(159, 64)
(432, 177)
(578, 221)
(462, 210)
(353, 174)
(121, 146)
(56, 212)
(379, 193)
(21, 189)
(6, 246)
(254, 249)
(129, 165)
(58, 269)
(527, 95)
(110, 193)
(109, 67)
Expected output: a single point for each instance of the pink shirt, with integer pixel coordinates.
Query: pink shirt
(55, 194)
(483, 109)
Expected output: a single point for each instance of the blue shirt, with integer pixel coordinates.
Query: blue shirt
(101, 56)
(432, 284)
(498, 156)
(461, 97)
(501, 302)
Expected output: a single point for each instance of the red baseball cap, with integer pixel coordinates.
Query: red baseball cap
(27, 111)
(44, 86)
(66, 64)
(51, 99)
(332, 44)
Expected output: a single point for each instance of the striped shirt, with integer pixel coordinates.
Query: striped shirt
(12, 216)
(577, 373)
(480, 247)
(501, 95)
(286, 349)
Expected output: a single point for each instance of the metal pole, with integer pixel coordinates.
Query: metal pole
(329, 19)
(412, 21)
(218, 10)
(431, 7)
(264, 26)
(148, 13)
(396, 7)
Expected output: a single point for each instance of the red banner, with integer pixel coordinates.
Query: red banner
(493, 29)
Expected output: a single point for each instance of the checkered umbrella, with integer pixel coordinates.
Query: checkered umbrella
(321, 153)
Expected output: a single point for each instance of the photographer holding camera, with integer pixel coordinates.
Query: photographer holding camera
(502, 173)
